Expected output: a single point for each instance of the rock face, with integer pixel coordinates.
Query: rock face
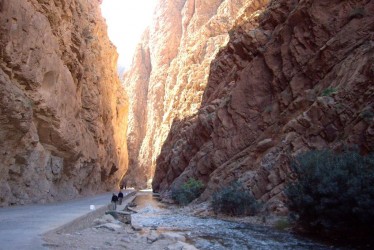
(170, 72)
(301, 79)
(63, 112)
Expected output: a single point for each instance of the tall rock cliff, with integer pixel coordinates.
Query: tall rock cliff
(170, 71)
(63, 111)
(302, 79)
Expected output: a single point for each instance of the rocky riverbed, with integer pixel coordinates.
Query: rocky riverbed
(159, 226)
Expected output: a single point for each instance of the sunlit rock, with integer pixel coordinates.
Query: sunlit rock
(170, 72)
(63, 112)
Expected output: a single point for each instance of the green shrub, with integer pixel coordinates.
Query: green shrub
(329, 91)
(282, 224)
(234, 200)
(189, 191)
(333, 191)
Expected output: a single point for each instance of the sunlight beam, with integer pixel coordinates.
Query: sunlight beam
(127, 20)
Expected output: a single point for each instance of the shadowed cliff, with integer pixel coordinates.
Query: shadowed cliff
(302, 79)
(170, 71)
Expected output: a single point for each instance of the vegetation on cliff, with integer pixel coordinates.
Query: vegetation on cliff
(333, 192)
(189, 191)
(234, 200)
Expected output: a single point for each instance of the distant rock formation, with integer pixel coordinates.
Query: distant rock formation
(170, 71)
(302, 79)
(63, 112)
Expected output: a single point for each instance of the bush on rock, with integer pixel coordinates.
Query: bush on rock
(333, 191)
(234, 200)
(189, 191)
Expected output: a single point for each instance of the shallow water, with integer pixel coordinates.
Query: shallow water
(210, 233)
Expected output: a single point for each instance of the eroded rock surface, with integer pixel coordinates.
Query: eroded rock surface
(63, 112)
(170, 71)
(301, 79)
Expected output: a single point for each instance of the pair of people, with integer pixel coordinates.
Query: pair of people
(116, 199)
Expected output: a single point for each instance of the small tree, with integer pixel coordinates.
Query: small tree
(189, 191)
(333, 192)
(234, 200)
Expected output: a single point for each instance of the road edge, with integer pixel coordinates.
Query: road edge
(83, 221)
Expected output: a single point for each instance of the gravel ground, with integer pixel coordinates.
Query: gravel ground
(154, 226)
(98, 231)
(123, 237)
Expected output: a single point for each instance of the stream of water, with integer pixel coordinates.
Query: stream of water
(210, 233)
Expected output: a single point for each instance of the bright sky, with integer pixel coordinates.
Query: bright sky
(127, 19)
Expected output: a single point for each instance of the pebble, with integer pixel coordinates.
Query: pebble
(126, 240)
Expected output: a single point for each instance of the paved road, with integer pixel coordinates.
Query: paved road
(21, 227)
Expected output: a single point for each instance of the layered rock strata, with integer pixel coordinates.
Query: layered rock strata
(302, 79)
(63, 111)
(170, 71)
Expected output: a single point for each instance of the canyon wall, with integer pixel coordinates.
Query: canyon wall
(170, 71)
(302, 79)
(63, 111)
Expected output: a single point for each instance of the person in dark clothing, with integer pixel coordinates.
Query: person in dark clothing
(120, 197)
(114, 201)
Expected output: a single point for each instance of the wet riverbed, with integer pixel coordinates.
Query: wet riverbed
(210, 233)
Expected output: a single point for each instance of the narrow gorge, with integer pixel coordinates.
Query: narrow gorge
(232, 90)
(170, 72)
(219, 90)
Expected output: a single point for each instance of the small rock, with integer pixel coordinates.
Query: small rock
(126, 219)
(132, 204)
(110, 226)
(105, 219)
(99, 221)
(173, 236)
(108, 218)
(136, 227)
(264, 145)
(181, 246)
(126, 240)
(152, 237)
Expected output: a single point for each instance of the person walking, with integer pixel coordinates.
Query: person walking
(120, 197)
(114, 201)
